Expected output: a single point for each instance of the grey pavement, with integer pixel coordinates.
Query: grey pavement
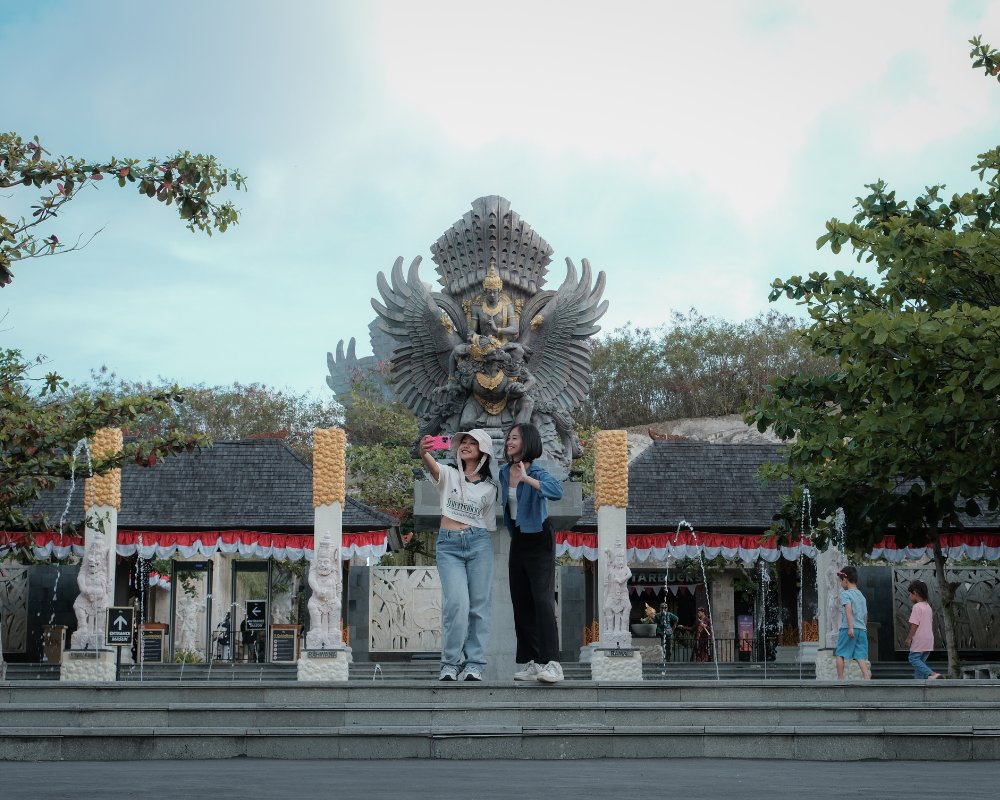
(485, 780)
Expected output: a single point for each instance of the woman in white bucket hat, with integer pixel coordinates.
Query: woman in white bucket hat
(464, 550)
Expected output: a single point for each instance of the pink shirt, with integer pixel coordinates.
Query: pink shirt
(923, 639)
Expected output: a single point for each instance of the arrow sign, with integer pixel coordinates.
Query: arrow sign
(256, 614)
(121, 624)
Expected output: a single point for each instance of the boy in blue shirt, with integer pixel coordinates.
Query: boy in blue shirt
(852, 642)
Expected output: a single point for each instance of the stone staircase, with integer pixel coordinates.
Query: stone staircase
(405, 718)
(427, 670)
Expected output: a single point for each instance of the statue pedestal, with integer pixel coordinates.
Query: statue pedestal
(324, 665)
(620, 665)
(826, 667)
(90, 666)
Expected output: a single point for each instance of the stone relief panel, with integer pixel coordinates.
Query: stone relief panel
(14, 608)
(977, 605)
(405, 610)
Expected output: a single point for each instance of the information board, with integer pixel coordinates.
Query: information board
(152, 645)
(284, 643)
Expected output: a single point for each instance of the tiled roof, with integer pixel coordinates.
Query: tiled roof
(258, 484)
(711, 486)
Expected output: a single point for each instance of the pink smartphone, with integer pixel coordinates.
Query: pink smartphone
(440, 442)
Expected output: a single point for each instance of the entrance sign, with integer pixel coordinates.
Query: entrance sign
(256, 615)
(121, 626)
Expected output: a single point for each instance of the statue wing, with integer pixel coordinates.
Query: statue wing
(555, 328)
(424, 332)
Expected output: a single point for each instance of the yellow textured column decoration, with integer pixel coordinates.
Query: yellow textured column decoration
(106, 489)
(611, 469)
(329, 466)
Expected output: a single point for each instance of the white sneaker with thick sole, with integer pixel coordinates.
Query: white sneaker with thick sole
(449, 672)
(470, 672)
(529, 673)
(551, 673)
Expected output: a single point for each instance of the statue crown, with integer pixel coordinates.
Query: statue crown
(492, 279)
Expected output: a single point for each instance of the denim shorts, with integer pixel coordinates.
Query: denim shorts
(856, 648)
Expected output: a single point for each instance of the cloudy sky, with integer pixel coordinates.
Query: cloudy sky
(693, 151)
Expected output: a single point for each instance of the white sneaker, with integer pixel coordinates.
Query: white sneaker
(550, 673)
(470, 672)
(449, 672)
(529, 673)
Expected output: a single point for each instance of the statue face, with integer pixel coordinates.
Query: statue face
(324, 565)
(492, 296)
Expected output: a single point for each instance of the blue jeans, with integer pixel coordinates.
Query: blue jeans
(919, 663)
(465, 568)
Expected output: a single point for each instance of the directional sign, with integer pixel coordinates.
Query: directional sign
(256, 615)
(121, 626)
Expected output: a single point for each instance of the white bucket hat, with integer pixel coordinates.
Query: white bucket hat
(482, 439)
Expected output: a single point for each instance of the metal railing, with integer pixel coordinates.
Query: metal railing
(684, 648)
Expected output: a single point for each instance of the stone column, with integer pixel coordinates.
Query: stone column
(613, 659)
(828, 563)
(325, 657)
(723, 611)
(89, 658)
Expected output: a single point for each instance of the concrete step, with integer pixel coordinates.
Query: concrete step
(41, 720)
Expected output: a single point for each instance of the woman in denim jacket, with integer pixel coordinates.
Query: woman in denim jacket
(525, 490)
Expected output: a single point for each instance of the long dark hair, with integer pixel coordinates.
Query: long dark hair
(531, 441)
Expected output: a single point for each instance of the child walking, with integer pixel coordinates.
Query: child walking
(464, 551)
(525, 489)
(920, 639)
(853, 640)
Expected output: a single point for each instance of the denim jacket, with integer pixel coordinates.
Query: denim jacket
(532, 505)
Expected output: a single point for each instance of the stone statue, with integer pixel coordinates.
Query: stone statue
(324, 606)
(616, 602)
(189, 608)
(833, 607)
(91, 605)
(494, 347)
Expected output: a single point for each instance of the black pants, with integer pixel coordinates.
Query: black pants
(532, 569)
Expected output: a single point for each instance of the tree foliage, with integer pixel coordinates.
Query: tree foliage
(903, 435)
(189, 182)
(224, 413)
(696, 366)
(380, 461)
(41, 424)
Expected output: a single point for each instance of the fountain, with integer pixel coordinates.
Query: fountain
(708, 594)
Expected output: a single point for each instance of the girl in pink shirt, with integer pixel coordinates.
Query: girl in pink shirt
(920, 639)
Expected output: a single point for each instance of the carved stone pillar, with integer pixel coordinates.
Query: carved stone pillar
(325, 656)
(828, 563)
(614, 658)
(89, 659)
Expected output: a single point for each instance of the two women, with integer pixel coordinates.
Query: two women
(465, 552)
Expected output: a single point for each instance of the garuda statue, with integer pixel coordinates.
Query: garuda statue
(494, 347)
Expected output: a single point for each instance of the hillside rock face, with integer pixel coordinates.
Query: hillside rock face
(729, 429)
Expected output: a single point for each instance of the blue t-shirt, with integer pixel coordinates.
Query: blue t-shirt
(859, 607)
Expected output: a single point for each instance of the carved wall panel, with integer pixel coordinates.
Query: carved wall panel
(14, 608)
(977, 605)
(404, 607)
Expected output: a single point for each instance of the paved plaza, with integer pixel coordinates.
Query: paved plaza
(489, 780)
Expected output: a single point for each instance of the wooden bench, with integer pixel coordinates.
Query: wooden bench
(987, 672)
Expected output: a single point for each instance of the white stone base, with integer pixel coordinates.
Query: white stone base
(324, 665)
(826, 667)
(88, 665)
(606, 667)
(807, 652)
